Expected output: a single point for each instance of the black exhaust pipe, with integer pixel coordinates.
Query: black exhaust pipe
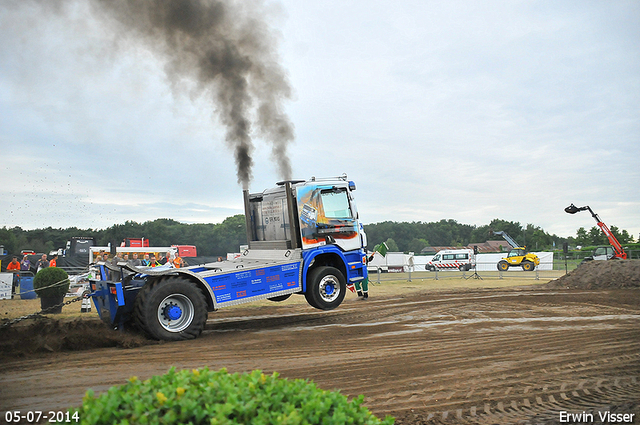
(247, 216)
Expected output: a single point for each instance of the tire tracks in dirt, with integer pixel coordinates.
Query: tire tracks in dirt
(542, 381)
(476, 356)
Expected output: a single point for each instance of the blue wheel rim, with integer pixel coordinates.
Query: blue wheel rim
(329, 288)
(176, 313)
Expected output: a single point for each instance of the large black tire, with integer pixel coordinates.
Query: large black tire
(171, 309)
(527, 266)
(503, 266)
(326, 288)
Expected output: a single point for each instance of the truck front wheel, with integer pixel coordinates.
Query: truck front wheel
(503, 266)
(171, 309)
(326, 288)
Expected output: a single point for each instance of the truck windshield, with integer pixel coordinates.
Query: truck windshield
(336, 204)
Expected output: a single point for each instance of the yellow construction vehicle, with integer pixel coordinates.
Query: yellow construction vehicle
(518, 256)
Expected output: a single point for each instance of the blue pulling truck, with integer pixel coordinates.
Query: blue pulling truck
(304, 237)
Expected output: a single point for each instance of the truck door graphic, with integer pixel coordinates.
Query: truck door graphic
(309, 215)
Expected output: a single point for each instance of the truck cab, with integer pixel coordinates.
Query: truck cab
(316, 219)
(601, 253)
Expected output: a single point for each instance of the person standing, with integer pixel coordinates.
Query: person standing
(25, 264)
(99, 256)
(135, 262)
(178, 262)
(168, 259)
(117, 259)
(54, 261)
(116, 274)
(14, 267)
(105, 259)
(42, 263)
(362, 287)
(152, 260)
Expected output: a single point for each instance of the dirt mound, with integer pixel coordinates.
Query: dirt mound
(50, 335)
(601, 275)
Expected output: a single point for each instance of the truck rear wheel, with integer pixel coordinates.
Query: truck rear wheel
(326, 288)
(503, 266)
(171, 309)
(527, 266)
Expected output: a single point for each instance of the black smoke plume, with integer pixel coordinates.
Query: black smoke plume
(228, 51)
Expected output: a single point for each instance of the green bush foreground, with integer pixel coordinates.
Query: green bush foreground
(202, 396)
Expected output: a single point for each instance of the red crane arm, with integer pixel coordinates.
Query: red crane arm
(612, 239)
(572, 209)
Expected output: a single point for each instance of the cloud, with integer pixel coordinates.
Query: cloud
(469, 111)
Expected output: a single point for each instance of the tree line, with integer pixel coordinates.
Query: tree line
(415, 236)
(218, 239)
(209, 239)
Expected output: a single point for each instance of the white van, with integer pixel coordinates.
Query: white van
(451, 259)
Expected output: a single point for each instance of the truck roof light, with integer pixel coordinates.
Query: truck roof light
(352, 185)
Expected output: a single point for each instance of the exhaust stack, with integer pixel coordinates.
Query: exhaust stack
(291, 211)
(247, 216)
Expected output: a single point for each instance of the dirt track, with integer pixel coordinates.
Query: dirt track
(464, 356)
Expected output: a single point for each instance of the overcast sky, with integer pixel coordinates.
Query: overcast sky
(459, 110)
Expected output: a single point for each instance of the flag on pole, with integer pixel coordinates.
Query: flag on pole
(382, 248)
